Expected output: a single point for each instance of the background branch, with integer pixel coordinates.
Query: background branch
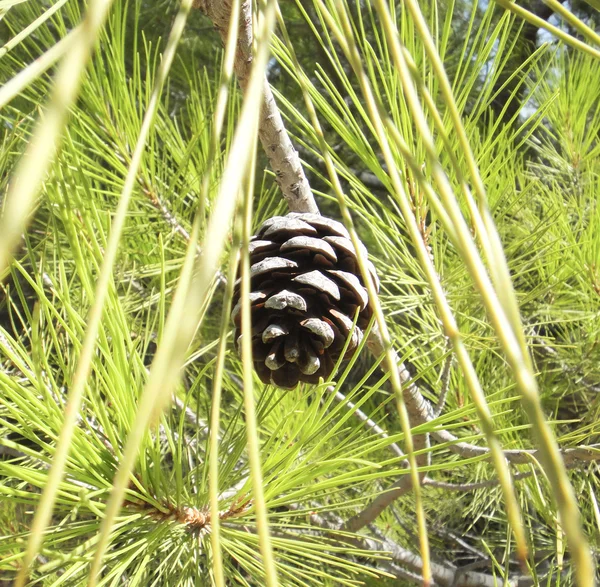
(445, 575)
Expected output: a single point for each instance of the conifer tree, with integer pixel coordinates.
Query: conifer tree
(299, 294)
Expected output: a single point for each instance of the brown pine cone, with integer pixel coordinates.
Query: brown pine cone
(305, 289)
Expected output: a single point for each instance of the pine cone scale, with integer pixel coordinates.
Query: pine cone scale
(273, 331)
(319, 281)
(351, 283)
(286, 299)
(310, 244)
(271, 264)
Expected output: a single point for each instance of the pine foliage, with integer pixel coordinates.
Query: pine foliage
(326, 450)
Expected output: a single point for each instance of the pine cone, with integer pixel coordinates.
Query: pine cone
(305, 289)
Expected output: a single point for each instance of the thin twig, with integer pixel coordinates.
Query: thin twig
(419, 409)
(551, 352)
(445, 381)
(372, 511)
(441, 531)
(466, 487)
(172, 221)
(340, 397)
(571, 457)
(191, 416)
(376, 563)
(168, 215)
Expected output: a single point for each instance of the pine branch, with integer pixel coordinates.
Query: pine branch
(167, 214)
(273, 136)
(419, 409)
(194, 518)
(294, 185)
(276, 142)
(403, 486)
(380, 564)
(466, 487)
(516, 456)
